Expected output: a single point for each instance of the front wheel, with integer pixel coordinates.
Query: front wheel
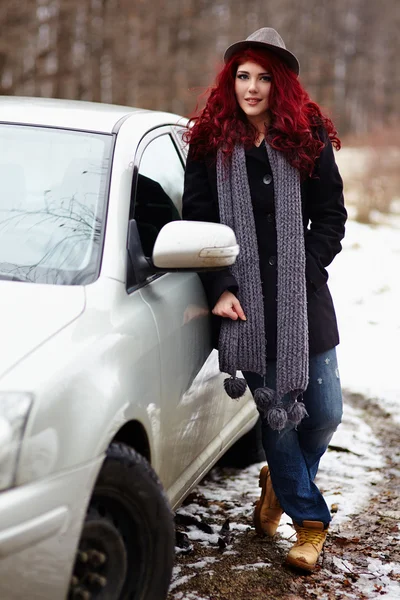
(126, 549)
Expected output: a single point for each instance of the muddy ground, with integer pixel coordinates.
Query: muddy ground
(243, 566)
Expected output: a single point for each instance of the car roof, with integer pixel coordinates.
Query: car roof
(69, 114)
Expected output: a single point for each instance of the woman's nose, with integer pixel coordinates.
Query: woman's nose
(253, 85)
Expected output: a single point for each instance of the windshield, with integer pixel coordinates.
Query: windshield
(52, 204)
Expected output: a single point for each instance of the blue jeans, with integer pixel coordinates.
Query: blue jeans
(293, 454)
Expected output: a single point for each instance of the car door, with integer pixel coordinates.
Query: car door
(194, 408)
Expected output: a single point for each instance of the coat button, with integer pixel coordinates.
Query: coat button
(270, 218)
(267, 179)
(272, 260)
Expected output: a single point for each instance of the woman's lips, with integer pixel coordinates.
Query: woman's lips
(252, 101)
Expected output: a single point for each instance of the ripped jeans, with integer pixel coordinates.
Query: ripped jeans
(292, 454)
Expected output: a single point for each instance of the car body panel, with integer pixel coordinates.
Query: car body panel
(31, 314)
(194, 406)
(40, 524)
(93, 364)
(51, 112)
(109, 368)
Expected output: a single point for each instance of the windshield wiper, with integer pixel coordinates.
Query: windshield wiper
(10, 277)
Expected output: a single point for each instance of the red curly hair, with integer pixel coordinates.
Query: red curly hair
(295, 119)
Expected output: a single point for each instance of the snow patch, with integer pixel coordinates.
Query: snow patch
(188, 596)
(252, 567)
(365, 288)
(197, 535)
(180, 581)
(200, 564)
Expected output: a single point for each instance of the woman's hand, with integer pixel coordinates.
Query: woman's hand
(229, 306)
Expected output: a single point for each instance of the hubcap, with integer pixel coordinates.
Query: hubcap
(101, 561)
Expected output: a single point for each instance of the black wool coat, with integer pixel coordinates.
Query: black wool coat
(324, 217)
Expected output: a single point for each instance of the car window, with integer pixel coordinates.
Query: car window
(159, 189)
(52, 203)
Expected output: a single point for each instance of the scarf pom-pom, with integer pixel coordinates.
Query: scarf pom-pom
(296, 412)
(264, 398)
(277, 418)
(235, 387)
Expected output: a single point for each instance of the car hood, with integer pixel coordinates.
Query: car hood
(31, 313)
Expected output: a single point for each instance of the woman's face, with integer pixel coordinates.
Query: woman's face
(252, 87)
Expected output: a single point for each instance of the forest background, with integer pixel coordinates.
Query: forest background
(164, 54)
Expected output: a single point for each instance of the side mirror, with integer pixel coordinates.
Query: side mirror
(194, 246)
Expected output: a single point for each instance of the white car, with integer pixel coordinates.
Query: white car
(111, 402)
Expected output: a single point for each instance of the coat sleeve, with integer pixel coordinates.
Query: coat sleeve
(327, 216)
(198, 204)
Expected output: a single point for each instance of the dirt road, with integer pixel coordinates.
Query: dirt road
(362, 554)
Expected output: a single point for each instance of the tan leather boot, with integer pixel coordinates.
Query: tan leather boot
(268, 511)
(310, 540)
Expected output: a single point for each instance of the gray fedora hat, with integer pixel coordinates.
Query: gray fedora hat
(269, 39)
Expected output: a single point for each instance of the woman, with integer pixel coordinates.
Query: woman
(261, 161)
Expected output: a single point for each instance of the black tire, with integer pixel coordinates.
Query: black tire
(126, 550)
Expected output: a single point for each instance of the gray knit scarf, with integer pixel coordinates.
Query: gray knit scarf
(242, 344)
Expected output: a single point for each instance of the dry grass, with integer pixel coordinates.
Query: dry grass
(370, 165)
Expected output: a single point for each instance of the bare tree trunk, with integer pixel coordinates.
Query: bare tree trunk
(65, 31)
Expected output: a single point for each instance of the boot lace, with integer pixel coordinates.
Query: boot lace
(310, 536)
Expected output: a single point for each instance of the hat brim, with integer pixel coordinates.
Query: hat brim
(284, 54)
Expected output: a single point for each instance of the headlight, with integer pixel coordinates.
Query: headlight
(14, 412)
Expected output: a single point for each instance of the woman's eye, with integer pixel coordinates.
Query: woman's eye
(243, 77)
